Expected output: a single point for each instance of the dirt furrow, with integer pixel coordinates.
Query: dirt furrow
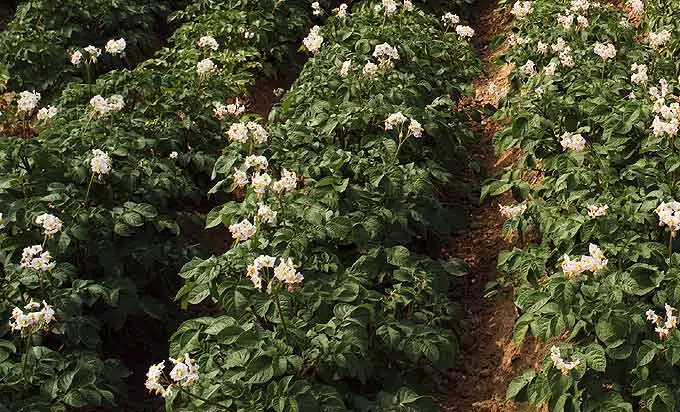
(488, 358)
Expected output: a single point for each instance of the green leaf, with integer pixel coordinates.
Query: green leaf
(646, 352)
(595, 357)
(260, 370)
(519, 383)
(398, 256)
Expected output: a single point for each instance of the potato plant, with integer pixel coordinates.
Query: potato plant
(327, 302)
(92, 204)
(594, 113)
(36, 45)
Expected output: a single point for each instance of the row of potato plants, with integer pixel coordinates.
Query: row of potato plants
(592, 116)
(37, 45)
(327, 299)
(92, 205)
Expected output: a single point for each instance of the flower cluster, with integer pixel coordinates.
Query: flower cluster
(115, 47)
(316, 9)
(529, 68)
(385, 54)
(575, 13)
(94, 53)
(563, 51)
(242, 231)
(101, 106)
(595, 211)
(266, 214)
(567, 21)
(33, 257)
(370, 70)
(260, 183)
(398, 119)
(658, 40)
(669, 215)
(637, 7)
(208, 42)
(205, 67)
(287, 182)
(240, 178)
(605, 51)
(28, 101)
(550, 69)
(389, 6)
(667, 118)
(663, 328)
(221, 111)
(285, 272)
(560, 363)
(100, 163)
(594, 263)
(450, 20)
(242, 132)
(341, 11)
(314, 40)
(50, 223)
(512, 212)
(47, 113)
(465, 32)
(573, 141)
(76, 57)
(639, 73)
(345, 68)
(521, 9)
(183, 373)
(34, 319)
(257, 162)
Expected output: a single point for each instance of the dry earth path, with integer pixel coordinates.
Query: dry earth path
(488, 358)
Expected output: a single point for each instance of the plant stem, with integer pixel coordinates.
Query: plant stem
(23, 361)
(283, 319)
(670, 248)
(88, 187)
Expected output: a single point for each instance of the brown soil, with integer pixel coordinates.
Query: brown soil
(488, 358)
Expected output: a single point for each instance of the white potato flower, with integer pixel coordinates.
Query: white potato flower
(115, 47)
(208, 42)
(47, 113)
(345, 69)
(522, 9)
(573, 141)
(50, 223)
(76, 57)
(595, 211)
(94, 53)
(33, 257)
(100, 163)
(605, 51)
(512, 211)
(465, 31)
(314, 40)
(205, 67)
(33, 320)
(28, 101)
(450, 19)
(560, 364)
(370, 69)
(243, 230)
